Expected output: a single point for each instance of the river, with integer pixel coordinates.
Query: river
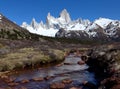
(77, 73)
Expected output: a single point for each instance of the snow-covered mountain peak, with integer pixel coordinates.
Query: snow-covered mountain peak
(24, 25)
(49, 16)
(85, 22)
(34, 24)
(50, 21)
(65, 15)
(0, 17)
(42, 24)
(103, 22)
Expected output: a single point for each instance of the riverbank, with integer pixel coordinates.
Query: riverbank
(22, 54)
(105, 62)
(19, 54)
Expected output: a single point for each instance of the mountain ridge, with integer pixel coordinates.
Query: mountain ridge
(10, 30)
(99, 27)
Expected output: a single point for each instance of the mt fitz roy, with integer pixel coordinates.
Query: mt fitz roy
(63, 26)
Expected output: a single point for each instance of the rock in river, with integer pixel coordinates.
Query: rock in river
(57, 86)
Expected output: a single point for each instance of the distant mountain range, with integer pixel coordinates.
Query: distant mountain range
(101, 29)
(63, 26)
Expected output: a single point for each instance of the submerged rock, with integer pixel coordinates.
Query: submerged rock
(23, 88)
(89, 85)
(48, 77)
(38, 79)
(13, 84)
(75, 88)
(81, 62)
(25, 81)
(57, 86)
(67, 81)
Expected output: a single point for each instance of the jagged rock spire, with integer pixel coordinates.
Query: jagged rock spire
(49, 20)
(65, 15)
(1, 17)
(34, 24)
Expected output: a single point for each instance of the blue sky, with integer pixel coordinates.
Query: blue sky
(24, 10)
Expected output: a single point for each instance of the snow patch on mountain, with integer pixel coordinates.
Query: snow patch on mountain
(45, 32)
(76, 27)
(103, 22)
(90, 28)
(111, 28)
(40, 30)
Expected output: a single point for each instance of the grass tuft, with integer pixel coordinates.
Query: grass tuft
(28, 57)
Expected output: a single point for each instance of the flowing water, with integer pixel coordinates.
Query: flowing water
(77, 73)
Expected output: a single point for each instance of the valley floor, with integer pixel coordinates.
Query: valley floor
(20, 54)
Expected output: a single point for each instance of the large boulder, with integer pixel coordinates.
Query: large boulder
(104, 59)
(105, 62)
